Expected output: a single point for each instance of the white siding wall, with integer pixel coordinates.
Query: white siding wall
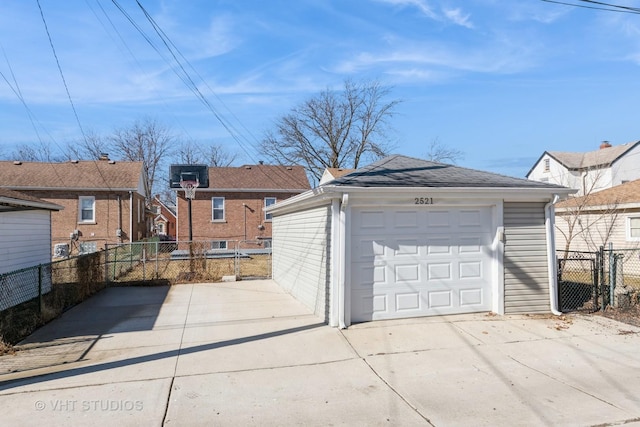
(526, 278)
(557, 174)
(301, 248)
(626, 169)
(26, 239)
(594, 230)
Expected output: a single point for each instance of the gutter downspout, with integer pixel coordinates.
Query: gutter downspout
(336, 264)
(342, 324)
(130, 216)
(549, 220)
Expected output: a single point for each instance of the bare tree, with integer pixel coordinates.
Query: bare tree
(213, 154)
(333, 129)
(91, 147)
(439, 152)
(35, 153)
(589, 219)
(147, 141)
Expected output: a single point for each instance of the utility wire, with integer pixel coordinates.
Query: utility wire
(186, 78)
(64, 81)
(610, 8)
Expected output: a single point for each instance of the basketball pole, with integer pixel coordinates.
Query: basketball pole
(190, 220)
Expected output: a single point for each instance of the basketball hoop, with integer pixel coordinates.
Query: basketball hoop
(189, 188)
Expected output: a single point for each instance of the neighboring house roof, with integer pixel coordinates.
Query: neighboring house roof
(333, 173)
(12, 200)
(258, 178)
(170, 209)
(402, 171)
(74, 175)
(602, 157)
(622, 194)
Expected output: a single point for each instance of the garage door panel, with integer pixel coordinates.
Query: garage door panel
(444, 267)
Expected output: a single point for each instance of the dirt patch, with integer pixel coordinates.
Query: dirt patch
(630, 316)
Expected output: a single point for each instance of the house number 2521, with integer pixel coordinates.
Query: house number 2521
(423, 200)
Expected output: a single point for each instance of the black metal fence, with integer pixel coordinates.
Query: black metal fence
(32, 296)
(590, 281)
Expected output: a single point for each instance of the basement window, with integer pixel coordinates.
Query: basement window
(219, 244)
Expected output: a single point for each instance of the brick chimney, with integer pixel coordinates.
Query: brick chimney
(605, 144)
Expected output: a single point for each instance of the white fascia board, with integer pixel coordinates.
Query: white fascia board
(325, 193)
(30, 204)
(507, 193)
(310, 198)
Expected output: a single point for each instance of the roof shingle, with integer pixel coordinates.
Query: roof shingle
(259, 177)
(104, 175)
(402, 171)
(629, 192)
(600, 157)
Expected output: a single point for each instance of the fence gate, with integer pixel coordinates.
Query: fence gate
(578, 279)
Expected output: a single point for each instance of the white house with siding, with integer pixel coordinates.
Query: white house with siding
(609, 216)
(590, 171)
(25, 227)
(405, 237)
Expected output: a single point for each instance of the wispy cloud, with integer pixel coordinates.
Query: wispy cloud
(499, 58)
(458, 17)
(455, 16)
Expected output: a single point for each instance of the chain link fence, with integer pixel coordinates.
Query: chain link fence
(578, 281)
(187, 261)
(32, 296)
(590, 281)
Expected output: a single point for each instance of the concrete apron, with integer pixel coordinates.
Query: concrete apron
(247, 353)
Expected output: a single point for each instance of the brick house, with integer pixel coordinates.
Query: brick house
(103, 200)
(164, 218)
(231, 210)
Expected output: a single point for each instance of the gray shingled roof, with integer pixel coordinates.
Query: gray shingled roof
(600, 157)
(402, 171)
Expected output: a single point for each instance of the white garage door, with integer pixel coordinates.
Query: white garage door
(420, 262)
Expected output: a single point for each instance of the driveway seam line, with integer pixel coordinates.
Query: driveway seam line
(396, 392)
(175, 367)
(565, 383)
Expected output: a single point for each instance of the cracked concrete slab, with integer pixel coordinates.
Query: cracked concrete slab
(246, 353)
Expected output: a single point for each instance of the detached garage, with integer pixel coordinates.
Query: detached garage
(405, 237)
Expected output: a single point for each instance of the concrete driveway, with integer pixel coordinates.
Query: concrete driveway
(246, 353)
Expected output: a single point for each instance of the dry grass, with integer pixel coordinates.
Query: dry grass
(6, 348)
(196, 270)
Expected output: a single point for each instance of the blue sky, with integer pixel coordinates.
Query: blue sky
(502, 81)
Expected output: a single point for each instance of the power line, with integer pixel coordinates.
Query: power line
(609, 8)
(64, 81)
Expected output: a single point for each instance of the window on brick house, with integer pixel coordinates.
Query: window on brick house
(268, 201)
(219, 244)
(217, 208)
(87, 209)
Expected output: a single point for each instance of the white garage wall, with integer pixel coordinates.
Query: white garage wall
(526, 277)
(25, 239)
(301, 248)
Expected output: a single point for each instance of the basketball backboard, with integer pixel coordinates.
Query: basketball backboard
(179, 173)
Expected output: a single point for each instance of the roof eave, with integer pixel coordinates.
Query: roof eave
(30, 204)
